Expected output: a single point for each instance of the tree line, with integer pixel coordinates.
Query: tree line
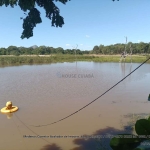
(136, 48)
(41, 50)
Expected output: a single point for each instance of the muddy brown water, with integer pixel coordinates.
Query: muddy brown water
(47, 93)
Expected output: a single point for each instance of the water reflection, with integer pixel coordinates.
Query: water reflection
(140, 73)
(126, 68)
(93, 143)
(51, 147)
(9, 115)
(123, 69)
(130, 71)
(98, 143)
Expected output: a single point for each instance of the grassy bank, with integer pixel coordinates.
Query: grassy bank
(20, 60)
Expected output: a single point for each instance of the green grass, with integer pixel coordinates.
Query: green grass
(20, 60)
(135, 59)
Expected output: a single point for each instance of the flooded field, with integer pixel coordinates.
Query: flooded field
(48, 93)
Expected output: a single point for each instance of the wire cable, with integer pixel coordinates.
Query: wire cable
(20, 133)
(30, 129)
(94, 99)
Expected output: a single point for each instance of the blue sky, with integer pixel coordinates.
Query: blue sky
(87, 23)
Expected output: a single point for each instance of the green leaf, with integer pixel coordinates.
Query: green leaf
(52, 11)
(26, 4)
(114, 142)
(8, 2)
(63, 1)
(124, 142)
(148, 119)
(142, 127)
(30, 22)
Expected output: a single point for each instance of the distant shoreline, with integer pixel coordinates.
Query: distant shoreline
(11, 60)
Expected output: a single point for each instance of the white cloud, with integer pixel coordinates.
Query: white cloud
(81, 44)
(87, 36)
(68, 45)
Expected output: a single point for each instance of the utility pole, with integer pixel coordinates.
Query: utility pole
(130, 53)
